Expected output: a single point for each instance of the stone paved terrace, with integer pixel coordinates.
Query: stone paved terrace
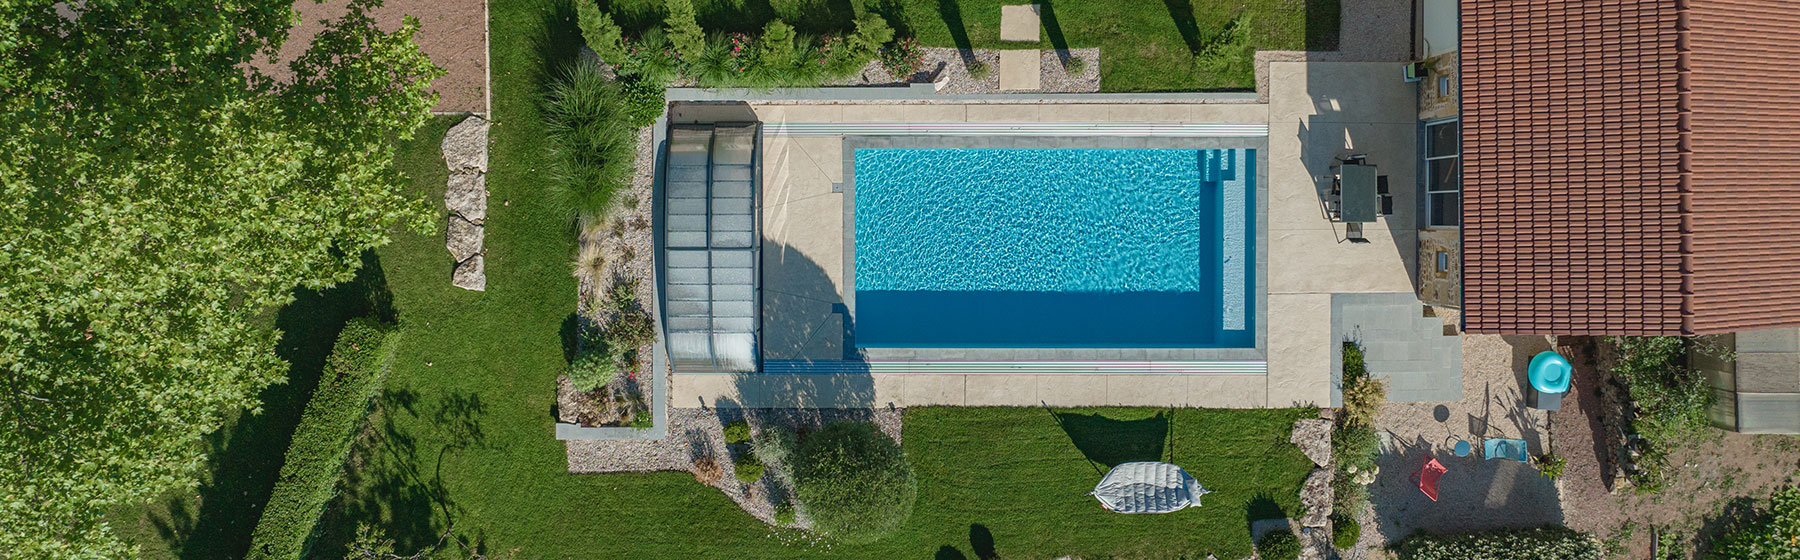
(1317, 111)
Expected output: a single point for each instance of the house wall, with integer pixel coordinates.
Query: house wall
(1438, 92)
(1440, 286)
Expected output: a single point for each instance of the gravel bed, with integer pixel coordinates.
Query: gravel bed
(694, 432)
(625, 246)
(937, 62)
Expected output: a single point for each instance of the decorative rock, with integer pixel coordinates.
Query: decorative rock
(470, 275)
(1313, 435)
(467, 196)
(463, 239)
(1315, 498)
(1315, 544)
(465, 146)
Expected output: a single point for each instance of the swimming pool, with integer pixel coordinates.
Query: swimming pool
(1053, 248)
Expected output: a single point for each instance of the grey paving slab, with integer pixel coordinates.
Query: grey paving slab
(1400, 344)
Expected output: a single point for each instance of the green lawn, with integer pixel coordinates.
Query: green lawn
(463, 433)
(1145, 45)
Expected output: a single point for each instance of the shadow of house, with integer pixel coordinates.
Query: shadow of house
(245, 461)
(1474, 494)
(1110, 442)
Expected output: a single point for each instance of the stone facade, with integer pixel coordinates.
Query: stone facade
(1440, 276)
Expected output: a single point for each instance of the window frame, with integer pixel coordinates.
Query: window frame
(1431, 219)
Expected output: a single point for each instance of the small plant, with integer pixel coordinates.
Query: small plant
(1279, 544)
(643, 99)
(1075, 66)
(629, 331)
(1671, 400)
(1345, 531)
(1551, 466)
(642, 420)
(592, 369)
(774, 445)
(706, 469)
(600, 33)
(1550, 542)
(978, 70)
(1363, 395)
(784, 513)
(748, 469)
(902, 58)
(683, 31)
(737, 432)
(621, 297)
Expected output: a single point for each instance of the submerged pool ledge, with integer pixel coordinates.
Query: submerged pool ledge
(1122, 367)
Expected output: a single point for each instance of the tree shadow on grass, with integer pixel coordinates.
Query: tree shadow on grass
(558, 45)
(1261, 507)
(951, 12)
(1110, 442)
(1182, 11)
(244, 461)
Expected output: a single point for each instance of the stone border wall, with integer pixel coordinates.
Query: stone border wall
(465, 149)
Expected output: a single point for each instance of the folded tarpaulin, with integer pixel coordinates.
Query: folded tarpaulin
(1148, 487)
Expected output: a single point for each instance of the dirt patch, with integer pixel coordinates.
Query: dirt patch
(453, 33)
(1706, 477)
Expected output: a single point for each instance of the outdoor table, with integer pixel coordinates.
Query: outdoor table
(1357, 200)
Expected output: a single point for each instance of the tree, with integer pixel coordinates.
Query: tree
(854, 481)
(161, 192)
(684, 30)
(600, 33)
(776, 47)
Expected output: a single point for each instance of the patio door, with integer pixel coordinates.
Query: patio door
(1443, 173)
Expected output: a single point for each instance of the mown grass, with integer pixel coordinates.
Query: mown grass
(463, 439)
(1145, 45)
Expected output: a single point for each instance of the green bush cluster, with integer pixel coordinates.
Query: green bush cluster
(775, 445)
(593, 367)
(1671, 401)
(778, 57)
(1549, 543)
(737, 432)
(1773, 534)
(747, 468)
(314, 464)
(1279, 544)
(902, 58)
(854, 482)
(644, 100)
(1345, 531)
(1354, 442)
(592, 144)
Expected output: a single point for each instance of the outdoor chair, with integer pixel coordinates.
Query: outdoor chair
(1427, 477)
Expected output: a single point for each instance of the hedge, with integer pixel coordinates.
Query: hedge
(1548, 543)
(315, 460)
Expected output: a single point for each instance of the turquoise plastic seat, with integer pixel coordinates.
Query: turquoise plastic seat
(1550, 372)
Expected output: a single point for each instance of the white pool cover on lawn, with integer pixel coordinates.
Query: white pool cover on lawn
(1148, 487)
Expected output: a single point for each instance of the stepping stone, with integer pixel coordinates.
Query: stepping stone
(1019, 23)
(1020, 70)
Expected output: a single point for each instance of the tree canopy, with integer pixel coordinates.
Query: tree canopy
(162, 189)
(854, 482)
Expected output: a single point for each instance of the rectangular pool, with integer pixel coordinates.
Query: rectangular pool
(1054, 248)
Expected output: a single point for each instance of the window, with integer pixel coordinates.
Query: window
(1443, 174)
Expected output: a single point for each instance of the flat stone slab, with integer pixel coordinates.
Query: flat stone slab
(465, 146)
(1315, 498)
(1020, 70)
(1313, 436)
(463, 239)
(470, 275)
(466, 195)
(1019, 23)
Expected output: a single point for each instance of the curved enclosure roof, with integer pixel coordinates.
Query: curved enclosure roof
(709, 265)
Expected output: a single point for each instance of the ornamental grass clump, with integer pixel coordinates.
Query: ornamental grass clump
(592, 145)
(854, 482)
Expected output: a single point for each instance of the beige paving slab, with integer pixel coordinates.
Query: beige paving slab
(696, 391)
(1079, 112)
(1019, 23)
(934, 390)
(1020, 70)
(798, 113)
(1227, 391)
(795, 327)
(813, 226)
(1071, 390)
(999, 390)
(825, 153)
(1299, 335)
(1341, 92)
(814, 391)
(1146, 390)
(1003, 113)
(1319, 261)
(890, 390)
(888, 112)
(1190, 113)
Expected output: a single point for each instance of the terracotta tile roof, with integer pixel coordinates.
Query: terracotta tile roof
(1630, 167)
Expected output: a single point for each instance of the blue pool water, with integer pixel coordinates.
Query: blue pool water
(1066, 248)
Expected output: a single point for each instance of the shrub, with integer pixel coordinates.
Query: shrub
(1363, 394)
(737, 432)
(1345, 531)
(630, 330)
(706, 469)
(683, 31)
(784, 513)
(593, 148)
(1551, 466)
(979, 70)
(1671, 401)
(902, 58)
(314, 464)
(1229, 54)
(592, 368)
(1075, 66)
(1773, 534)
(854, 482)
(748, 469)
(1549, 543)
(776, 47)
(600, 33)
(644, 100)
(1279, 544)
(774, 445)
(651, 57)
